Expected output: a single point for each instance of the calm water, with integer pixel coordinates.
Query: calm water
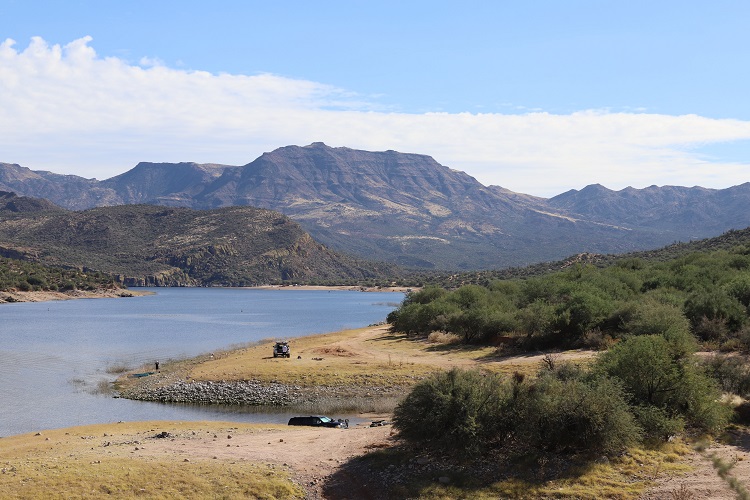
(54, 355)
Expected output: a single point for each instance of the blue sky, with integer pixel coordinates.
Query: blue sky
(538, 97)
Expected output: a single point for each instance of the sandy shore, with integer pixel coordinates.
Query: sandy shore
(17, 296)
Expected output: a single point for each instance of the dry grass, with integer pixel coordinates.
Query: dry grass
(443, 338)
(117, 369)
(102, 460)
(337, 359)
(368, 357)
(626, 477)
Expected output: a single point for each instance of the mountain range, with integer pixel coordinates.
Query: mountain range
(407, 208)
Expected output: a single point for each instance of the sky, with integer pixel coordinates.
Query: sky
(537, 96)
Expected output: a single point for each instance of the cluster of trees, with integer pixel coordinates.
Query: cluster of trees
(704, 293)
(645, 388)
(650, 316)
(28, 276)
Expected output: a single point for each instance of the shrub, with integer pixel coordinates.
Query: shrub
(36, 281)
(564, 410)
(713, 330)
(714, 304)
(661, 373)
(739, 288)
(582, 311)
(456, 410)
(443, 338)
(536, 321)
(644, 366)
(653, 317)
(597, 340)
(731, 372)
(656, 423)
(425, 296)
(575, 414)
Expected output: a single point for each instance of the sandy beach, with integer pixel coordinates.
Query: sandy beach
(18, 296)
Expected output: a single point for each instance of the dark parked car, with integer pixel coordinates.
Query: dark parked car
(281, 349)
(318, 421)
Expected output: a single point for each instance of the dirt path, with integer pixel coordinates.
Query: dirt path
(704, 481)
(377, 344)
(312, 455)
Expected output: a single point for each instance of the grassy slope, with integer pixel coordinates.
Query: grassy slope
(103, 460)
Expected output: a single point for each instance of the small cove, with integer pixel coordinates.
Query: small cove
(55, 355)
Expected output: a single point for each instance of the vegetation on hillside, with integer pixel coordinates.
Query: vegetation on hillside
(728, 241)
(160, 246)
(649, 316)
(644, 390)
(702, 293)
(18, 275)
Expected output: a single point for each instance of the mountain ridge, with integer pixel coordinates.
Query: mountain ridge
(408, 209)
(151, 245)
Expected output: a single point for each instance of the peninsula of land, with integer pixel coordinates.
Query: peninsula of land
(44, 296)
(363, 370)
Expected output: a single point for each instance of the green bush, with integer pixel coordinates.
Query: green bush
(656, 423)
(575, 414)
(661, 373)
(562, 411)
(731, 372)
(715, 304)
(704, 293)
(456, 410)
(425, 296)
(651, 316)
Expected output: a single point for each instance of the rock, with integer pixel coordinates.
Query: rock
(444, 480)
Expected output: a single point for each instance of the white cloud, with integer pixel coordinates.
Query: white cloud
(68, 110)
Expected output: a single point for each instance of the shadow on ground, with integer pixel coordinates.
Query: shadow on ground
(398, 470)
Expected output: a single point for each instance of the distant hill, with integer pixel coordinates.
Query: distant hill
(11, 202)
(166, 246)
(736, 241)
(408, 209)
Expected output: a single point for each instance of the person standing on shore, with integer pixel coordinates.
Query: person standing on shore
(157, 365)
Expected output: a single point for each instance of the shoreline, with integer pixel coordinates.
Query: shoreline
(48, 296)
(183, 381)
(16, 296)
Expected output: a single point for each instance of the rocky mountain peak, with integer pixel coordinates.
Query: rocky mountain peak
(408, 208)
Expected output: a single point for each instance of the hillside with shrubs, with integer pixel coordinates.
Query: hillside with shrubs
(702, 293)
(647, 317)
(24, 276)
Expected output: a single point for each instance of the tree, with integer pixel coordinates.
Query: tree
(457, 410)
(662, 373)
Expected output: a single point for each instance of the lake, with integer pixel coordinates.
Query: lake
(54, 356)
